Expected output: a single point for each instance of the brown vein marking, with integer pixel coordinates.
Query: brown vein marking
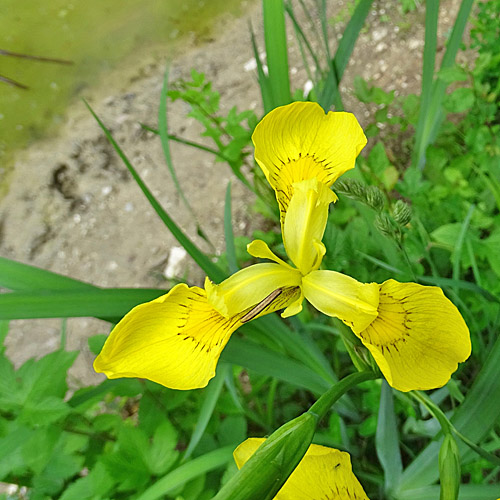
(261, 306)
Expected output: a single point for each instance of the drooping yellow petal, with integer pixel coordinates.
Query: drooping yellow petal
(248, 287)
(418, 337)
(175, 340)
(342, 297)
(323, 473)
(299, 141)
(305, 223)
(260, 250)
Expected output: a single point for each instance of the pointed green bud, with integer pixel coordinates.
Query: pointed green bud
(402, 213)
(269, 467)
(449, 468)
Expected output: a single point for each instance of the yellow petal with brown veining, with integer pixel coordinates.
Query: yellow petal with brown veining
(418, 337)
(299, 141)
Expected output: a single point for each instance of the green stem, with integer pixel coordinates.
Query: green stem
(330, 397)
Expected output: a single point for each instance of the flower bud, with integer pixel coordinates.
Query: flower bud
(449, 469)
(269, 467)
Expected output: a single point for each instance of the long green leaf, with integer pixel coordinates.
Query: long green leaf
(467, 492)
(165, 144)
(276, 50)
(433, 91)
(212, 270)
(109, 303)
(212, 393)
(267, 362)
(386, 439)
(482, 404)
(423, 125)
(262, 78)
(23, 277)
(164, 139)
(187, 472)
(228, 233)
(330, 94)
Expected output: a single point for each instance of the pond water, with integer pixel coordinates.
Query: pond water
(95, 35)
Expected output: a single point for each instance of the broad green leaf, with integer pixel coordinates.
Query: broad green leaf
(109, 303)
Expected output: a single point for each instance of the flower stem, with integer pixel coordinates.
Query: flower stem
(326, 401)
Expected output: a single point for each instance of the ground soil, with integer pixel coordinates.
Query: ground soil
(72, 207)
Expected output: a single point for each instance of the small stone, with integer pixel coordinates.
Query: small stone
(174, 265)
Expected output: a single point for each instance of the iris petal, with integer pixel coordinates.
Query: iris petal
(299, 141)
(305, 223)
(248, 287)
(418, 337)
(175, 340)
(342, 297)
(323, 473)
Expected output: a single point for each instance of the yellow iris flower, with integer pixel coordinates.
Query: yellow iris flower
(415, 334)
(322, 473)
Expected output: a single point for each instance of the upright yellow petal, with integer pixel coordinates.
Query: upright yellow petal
(305, 223)
(418, 337)
(175, 340)
(341, 296)
(250, 286)
(299, 141)
(323, 473)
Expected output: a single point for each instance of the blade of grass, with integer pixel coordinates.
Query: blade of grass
(212, 394)
(109, 303)
(187, 472)
(164, 139)
(276, 50)
(262, 78)
(431, 112)
(228, 233)
(208, 149)
(330, 94)
(457, 251)
(430, 47)
(386, 440)
(211, 269)
(303, 41)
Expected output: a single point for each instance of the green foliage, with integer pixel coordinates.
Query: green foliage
(230, 133)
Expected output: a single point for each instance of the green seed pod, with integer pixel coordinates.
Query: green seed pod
(449, 469)
(402, 213)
